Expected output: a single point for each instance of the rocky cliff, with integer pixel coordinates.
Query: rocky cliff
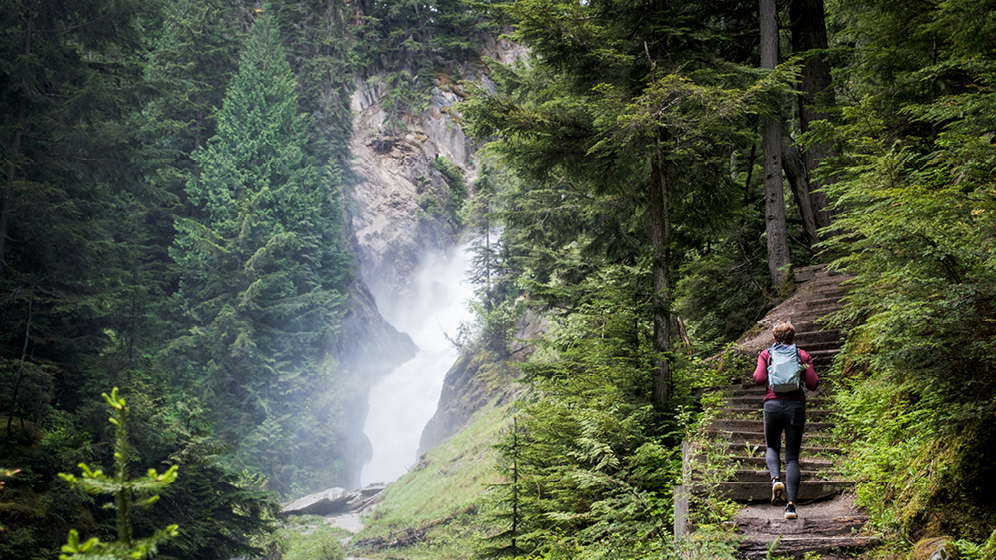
(395, 212)
(396, 216)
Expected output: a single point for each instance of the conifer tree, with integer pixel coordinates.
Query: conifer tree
(612, 136)
(915, 190)
(319, 38)
(410, 40)
(129, 494)
(192, 60)
(74, 267)
(262, 270)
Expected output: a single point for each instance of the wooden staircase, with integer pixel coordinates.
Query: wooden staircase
(828, 522)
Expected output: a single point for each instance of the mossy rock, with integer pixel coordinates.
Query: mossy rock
(937, 548)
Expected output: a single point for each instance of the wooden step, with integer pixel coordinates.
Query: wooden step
(758, 462)
(823, 311)
(832, 287)
(835, 527)
(809, 490)
(758, 401)
(735, 390)
(797, 546)
(803, 338)
(754, 475)
(808, 450)
(816, 346)
(757, 438)
(823, 302)
(828, 352)
(730, 425)
(808, 273)
(823, 364)
(755, 413)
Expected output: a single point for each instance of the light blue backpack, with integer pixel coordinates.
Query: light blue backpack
(784, 368)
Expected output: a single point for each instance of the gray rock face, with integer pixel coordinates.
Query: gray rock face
(462, 395)
(391, 231)
(389, 218)
(465, 391)
(369, 346)
(393, 225)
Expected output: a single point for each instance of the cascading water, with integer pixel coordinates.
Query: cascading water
(403, 402)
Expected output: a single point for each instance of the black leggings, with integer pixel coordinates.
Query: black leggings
(788, 415)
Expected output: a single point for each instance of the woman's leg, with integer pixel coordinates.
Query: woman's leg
(773, 426)
(795, 411)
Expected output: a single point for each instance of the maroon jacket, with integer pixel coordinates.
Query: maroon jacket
(761, 376)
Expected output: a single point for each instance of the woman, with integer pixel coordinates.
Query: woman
(785, 411)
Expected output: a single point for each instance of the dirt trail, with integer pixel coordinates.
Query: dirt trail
(829, 522)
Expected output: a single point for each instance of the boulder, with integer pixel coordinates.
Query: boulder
(326, 502)
(938, 548)
(372, 489)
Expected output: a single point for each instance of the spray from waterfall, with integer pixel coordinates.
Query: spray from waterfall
(403, 402)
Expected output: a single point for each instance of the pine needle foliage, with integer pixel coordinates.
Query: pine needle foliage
(916, 193)
(584, 469)
(128, 494)
(403, 44)
(263, 270)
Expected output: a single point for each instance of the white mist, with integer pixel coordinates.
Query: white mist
(403, 402)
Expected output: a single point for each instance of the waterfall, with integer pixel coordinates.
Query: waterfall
(402, 403)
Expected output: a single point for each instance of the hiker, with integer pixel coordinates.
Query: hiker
(785, 410)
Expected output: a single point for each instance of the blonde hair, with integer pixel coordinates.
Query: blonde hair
(784, 333)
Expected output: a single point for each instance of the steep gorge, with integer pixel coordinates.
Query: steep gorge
(395, 222)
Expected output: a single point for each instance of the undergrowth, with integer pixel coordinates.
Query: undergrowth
(310, 538)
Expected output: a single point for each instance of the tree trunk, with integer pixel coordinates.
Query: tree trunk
(771, 139)
(795, 171)
(809, 31)
(660, 239)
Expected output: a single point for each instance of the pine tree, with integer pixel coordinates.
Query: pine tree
(192, 60)
(618, 145)
(263, 265)
(809, 33)
(411, 40)
(129, 494)
(76, 272)
(915, 191)
(320, 39)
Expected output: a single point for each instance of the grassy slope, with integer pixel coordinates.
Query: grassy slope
(439, 494)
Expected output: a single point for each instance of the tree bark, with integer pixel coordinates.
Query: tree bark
(660, 239)
(771, 134)
(809, 32)
(795, 172)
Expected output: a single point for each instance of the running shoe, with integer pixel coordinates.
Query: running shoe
(777, 491)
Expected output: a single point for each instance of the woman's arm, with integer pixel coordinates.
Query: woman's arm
(812, 380)
(761, 371)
